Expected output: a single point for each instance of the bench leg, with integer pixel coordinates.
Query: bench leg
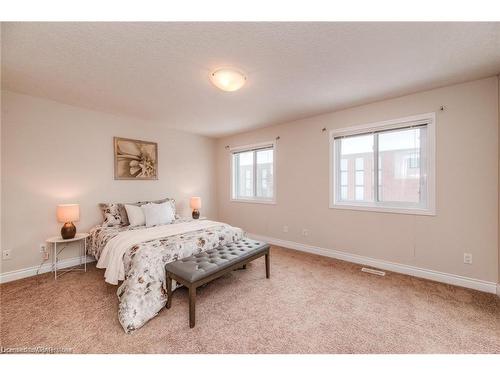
(192, 303)
(169, 291)
(268, 266)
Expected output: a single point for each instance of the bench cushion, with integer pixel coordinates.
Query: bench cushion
(204, 264)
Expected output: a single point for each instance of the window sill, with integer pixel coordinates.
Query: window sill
(260, 201)
(393, 210)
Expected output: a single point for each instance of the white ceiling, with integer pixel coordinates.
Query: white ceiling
(159, 71)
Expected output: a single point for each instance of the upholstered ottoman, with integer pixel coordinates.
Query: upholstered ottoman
(201, 268)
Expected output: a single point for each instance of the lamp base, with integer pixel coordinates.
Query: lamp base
(68, 231)
(196, 214)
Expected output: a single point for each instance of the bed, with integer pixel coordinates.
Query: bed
(137, 256)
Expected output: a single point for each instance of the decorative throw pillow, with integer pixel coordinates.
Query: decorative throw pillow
(135, 215)
(158, 213)
(111, 214)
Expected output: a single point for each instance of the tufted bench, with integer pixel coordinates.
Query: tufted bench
(201, 268)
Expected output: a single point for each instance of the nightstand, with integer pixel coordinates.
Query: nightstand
(59, 242)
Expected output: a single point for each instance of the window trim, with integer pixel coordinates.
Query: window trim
(251, 147)
(394, 207)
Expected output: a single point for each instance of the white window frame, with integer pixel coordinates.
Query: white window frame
(231, 173)
(392, 207)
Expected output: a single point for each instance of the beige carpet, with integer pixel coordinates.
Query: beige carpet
(311, 304)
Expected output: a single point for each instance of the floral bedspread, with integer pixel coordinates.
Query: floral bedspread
(143, 292)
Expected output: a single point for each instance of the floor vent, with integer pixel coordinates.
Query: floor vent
(375, 272)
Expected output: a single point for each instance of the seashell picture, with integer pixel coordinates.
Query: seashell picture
(135, 160)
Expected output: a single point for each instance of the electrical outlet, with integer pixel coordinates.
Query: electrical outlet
(467, 258)
(44, 252)
(305, 232)
(285, 229)
(7, 254)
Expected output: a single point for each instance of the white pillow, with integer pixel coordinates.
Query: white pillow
(135, 215)
(158, 213)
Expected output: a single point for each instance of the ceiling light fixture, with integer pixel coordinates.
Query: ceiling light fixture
(228, 79)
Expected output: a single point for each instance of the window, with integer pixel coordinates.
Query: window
(387, 166)
(253, 172)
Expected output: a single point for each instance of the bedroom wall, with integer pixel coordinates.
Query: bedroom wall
(467, 186)
(55, 153)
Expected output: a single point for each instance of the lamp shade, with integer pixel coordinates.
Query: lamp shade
(67, 213)
(195, 203)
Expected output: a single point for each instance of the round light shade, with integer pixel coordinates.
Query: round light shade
(67, 213)
(195, 203)
(228, 79)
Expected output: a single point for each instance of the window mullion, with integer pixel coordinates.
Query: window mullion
(337, 170)
(255, 174)
(375, 168)
(236, 171)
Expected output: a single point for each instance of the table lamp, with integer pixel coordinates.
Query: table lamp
(67, 213)
(196, 205)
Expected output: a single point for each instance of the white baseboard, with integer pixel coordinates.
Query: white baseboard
(467, 282)
(47, 267)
